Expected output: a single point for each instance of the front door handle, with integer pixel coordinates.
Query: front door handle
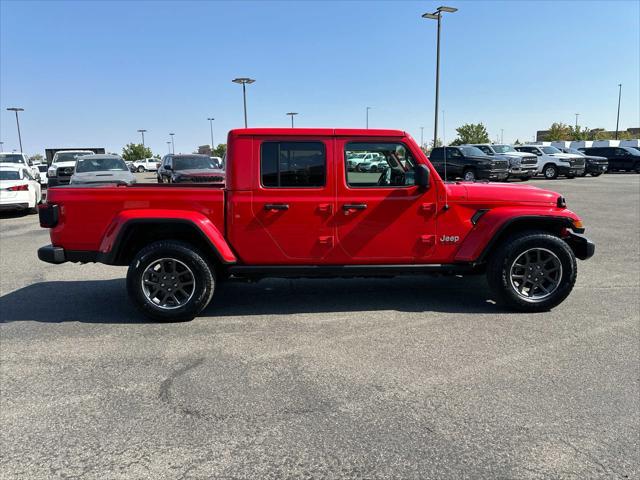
(276, 206)
(354, 206)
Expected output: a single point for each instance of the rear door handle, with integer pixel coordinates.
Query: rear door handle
(276, 206)
(354, 206)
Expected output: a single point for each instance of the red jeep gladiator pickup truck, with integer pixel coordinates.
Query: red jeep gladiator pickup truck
(296, 205)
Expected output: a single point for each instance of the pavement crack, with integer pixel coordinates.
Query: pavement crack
(165, 388)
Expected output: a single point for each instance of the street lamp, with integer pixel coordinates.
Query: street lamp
(141, 131)
(168, 147)
(577, 115)
(502, 135)
(421, 137)
(368, 108)
(211, 119)
(244, 81)
(1, 147)
(617, 120)
(437, 15)
(17, 109)
(173, 145)
(292, 114)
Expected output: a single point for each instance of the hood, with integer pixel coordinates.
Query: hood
(100, 177)
(568, 156)
(487, 193)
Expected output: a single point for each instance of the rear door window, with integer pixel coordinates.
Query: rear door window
(293, 164)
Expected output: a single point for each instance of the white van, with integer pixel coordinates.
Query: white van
(606, 143)
(576, 144)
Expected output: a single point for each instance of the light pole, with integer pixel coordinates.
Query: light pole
(368, 108)
(173, 145)
(211, 127)
(1, 147)
(577, 115)
(437, 15)
(444, 131)
(502, 135)
(168, 147)
(617, 119)
(292, 114)
(17, 109)
(141, 131)
(244, 81)
(421, 137)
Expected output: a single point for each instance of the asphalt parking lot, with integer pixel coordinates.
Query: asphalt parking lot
(413, 377)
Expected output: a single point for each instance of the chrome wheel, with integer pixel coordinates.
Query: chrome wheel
(536, 274)
(550, 172)
(469, 176)
(168, 283)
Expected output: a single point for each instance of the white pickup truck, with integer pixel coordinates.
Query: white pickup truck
(63, 165)
(552, 162)
(521, 165)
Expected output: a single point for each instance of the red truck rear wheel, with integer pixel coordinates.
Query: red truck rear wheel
(170, 281)
(532, 271)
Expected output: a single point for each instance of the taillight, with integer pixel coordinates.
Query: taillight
(18, 188)
(49, 214)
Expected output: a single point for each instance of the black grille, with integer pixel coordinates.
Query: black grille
(577, 162)
(501, 164)
(211, 179)
(64, 174)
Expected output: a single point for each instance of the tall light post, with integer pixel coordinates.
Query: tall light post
(444, 131)
(577, 115)
(17, 109)
(1, 147)
(368, 108)
(437, 15)
(292, 114)
(141, 131)
(502, 135)
(244, 81)
(173, 145)
(168, 147)
(211, 119)
(617, 119)
(421, 137)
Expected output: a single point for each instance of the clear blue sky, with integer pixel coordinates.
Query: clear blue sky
(92, 73)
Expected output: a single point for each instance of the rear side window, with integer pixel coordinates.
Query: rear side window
(293, 164)
(436, 154)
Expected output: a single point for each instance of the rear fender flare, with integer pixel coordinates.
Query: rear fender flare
(112, 240)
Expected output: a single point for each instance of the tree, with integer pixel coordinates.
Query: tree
(220, 150)
(432, 146)
(517, 142)
(37, 158)
(558, 131)
(471, 133)
(136, 151)
(579, 133)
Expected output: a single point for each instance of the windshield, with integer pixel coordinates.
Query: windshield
(100, 165)
(11, 158)
(473, 151)
(9, 175)
(550, 150)
(574, 151)
(69, 156)
(503, 148)
(194, 162)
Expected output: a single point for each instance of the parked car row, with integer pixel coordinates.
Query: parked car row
(19, 188)
(190, 168)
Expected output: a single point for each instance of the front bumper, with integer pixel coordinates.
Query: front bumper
(596, 168)
(582, 247)
(493, 174)
(520, 172)
(570, 171)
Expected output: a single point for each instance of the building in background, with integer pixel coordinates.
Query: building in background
(205, 150)
(542, 135)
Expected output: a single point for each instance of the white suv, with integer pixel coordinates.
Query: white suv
(552, 162)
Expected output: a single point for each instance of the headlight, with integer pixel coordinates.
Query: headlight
(51, 172)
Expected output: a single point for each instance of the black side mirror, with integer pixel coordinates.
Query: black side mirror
(422, 175)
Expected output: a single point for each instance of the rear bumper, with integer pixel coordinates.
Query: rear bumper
(57, 255)
(582, 247)
(14, 206)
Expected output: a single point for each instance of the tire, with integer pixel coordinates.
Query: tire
(571, 177)
(160, 180)
(469, 175)
(550, 172)
(504, 262)
(140, 169)
(143, 277)
(637, 167)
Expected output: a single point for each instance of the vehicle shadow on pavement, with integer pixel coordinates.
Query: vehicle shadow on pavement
(106, 301)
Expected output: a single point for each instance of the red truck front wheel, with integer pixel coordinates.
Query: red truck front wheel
(170, 281)
(532, 271)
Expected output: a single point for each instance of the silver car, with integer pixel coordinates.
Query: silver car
(102, 169)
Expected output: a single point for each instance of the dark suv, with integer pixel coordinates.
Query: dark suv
(189, 168)
(469, 163)
(620, 158)
(593, 165)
